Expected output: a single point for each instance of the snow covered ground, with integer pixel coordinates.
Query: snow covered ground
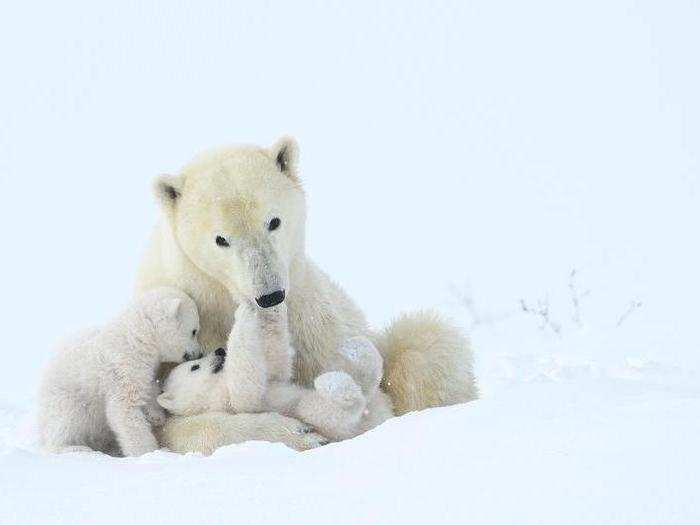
(567, 444)
(558, 437)
(532, 169)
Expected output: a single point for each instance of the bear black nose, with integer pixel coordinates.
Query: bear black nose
(270, 299)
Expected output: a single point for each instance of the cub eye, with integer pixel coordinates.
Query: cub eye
(194, 367)
(274, 224)
(194, 332)
(220, 241)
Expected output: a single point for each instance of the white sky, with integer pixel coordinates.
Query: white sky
(498, 144)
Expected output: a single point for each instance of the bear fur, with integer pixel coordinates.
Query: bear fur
(99, 390)
(256, 378)
(216, 241)
(204, 433)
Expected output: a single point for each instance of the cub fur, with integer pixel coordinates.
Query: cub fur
(256, 376)
(99, 390)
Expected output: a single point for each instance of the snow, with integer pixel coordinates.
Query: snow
(530, 169)
(593, 448)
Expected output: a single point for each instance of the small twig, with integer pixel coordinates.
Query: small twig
(576, 297)
(542, 312)
(467, 302)
(634, 305)
(477, 316)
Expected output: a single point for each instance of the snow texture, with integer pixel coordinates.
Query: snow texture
(531, 169)
(593, 448)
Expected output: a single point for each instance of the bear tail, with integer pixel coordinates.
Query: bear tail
(427, 363)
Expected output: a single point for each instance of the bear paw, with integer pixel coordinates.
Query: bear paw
(78, 449)
(339, 388)
(155, 414)
(303, 437)
(364, 362)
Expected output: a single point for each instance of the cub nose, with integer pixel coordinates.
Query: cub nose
(270, 299)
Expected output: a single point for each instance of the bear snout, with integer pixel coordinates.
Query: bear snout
(271, 299)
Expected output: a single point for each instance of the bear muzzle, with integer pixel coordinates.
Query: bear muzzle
(271, 299)
(191, 356)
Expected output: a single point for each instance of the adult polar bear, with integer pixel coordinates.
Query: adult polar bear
(232, 230)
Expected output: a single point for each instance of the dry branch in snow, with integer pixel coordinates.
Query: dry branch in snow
(634, 305)
(542, 312)
(576, 296)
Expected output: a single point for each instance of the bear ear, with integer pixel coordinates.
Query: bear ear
(285, 153)
(168, 190)
(172, 308)
(166, 401)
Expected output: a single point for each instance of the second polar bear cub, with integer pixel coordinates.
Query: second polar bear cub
(99, 390)
(253, 375)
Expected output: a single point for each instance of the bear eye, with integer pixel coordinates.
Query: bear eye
(220, 241)
(194, 332)
(274, 224)
(194, 367)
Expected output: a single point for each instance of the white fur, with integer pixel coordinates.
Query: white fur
(251, 379)
(206, 432)
(234, 192)
(99, 389)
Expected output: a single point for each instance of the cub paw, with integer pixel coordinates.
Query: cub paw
(77, 449)
(364, 362)
(339, 388)
(246, 312)
(155, 414)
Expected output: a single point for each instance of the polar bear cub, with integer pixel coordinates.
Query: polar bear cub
(253, 375)
(99, 390)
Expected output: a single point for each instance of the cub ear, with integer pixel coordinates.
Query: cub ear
(166, 401)
(168, 190)
(172, 308)
(285, 152)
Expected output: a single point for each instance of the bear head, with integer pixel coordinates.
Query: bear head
(196, 387)
(238, 214)
(174, 318)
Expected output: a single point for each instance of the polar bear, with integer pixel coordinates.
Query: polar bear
(233, 230)
(99, 390)
(256, 378)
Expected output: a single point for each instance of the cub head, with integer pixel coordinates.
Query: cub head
(238, 214)
(175, 321)
(196, 387)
